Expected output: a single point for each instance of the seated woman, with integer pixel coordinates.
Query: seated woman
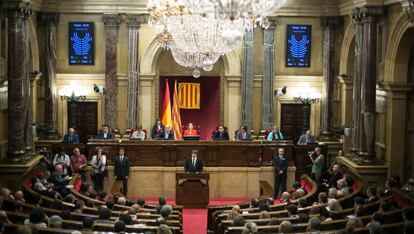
(243, 134)
(138, 134)
(275, 134)
(190, 131)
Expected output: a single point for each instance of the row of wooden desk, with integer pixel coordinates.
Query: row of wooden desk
(174, 153)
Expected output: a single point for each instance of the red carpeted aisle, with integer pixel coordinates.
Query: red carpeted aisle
(195, 220)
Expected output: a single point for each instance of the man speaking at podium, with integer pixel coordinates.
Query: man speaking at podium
(193, 164)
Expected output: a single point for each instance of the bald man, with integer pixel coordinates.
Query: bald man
(71, 136)
(59, 181)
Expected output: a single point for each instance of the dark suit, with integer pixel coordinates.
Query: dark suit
(280, 164)
(110, 135)
(239, 136)
(73, 139)
(190, 167)
(121, 170)
(59, 183)
(221, 136)
(333, 178)
(155, 133)
(170, 136)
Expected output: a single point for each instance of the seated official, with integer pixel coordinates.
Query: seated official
(167, 134)
(243, 134)
(105, 133)
(275, 135)
(193, 164)
(190, 131)
(221, 134)
(307, 138)
(157, 129)
(71, 136)
(138, 134)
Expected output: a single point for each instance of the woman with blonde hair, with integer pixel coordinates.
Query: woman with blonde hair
(334, 205)
(285, 227)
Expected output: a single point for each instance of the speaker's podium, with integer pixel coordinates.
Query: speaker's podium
(191, 190)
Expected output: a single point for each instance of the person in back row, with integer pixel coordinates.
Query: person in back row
(138, 134)
(221, 134)
(243, 134)
(71, 137)
(307, 138)
(105, 133)
(275, 135)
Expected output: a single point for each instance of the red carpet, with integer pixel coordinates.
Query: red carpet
(195, 220)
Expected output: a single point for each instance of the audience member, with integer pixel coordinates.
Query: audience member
(164, 229)
(36, 218)
(161, 202)
(249, 228)
(65, 214)
(334, 205)
(141, 202)
(77, 161)
(126, 218)
(79, 205)
(352, 224)
(63, 160)
(371, 194)
(87, 223)
(264, 215)
(285, 227)
(374, 227)
(55, 221)
(285, 197)
(166, 211)
(342, 188)
(239, 221)
(119, 226)
(292, 210)
(333, 176)
(324, 214)
(18, 196)
(254, 203)
(59, 180)
(332, 192)
(314, 225)
(104, 216)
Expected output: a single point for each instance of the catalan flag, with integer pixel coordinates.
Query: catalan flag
(166, 108)
(189, 95)
(176, 116)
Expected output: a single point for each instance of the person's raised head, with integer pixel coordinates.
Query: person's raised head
(58, 168)
(126, 218)
(162, 200)
(158, 121)
(194, 153)
(37, 215)
(87, 222)
(276, 129)
(285, 227)
(55, 221)
(76, 151)
(165, 211)
(308, 132)
(167, 128)
(139, 128)
(190, 126)
(105, 128)
(121, 151)
(141, 201)
(317, 150)
(71, 131)
(281, 151)
(221, 128)
(292, 209)
(104, 213)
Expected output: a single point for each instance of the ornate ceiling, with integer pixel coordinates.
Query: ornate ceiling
(293, 7)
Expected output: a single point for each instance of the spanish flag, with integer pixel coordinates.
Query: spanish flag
(166, 108)
(176, 116)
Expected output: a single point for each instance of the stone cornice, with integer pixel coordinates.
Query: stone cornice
(135, 20)
(17, 9)
(332, 22)
(363, 14)
(111, 20)
(50, 17)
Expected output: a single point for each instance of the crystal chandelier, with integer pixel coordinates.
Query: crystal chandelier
(195, 33)
(252, 12)
(195, 60)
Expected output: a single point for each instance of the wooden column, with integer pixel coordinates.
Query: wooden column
(111, 23)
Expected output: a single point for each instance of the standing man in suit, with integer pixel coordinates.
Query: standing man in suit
(71, 137)
(105, 133)
(121, 170)
(281, 166)
(193, 164)
(157, 129)
(221, 134)
(307, 138)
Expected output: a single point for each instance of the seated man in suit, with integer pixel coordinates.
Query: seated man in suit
(59, 181)
(275, 135)
(157, 129)
(71, 137)
(167, 134)
(105, 133)
(221, 134)
(190, 131)
(243, 134)
(193, 164)
(307, 138)
(138, 134)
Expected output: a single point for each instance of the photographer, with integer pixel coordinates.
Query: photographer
(318, 161)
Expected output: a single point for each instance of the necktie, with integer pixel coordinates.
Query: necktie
(70, 139)
(194, 162)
